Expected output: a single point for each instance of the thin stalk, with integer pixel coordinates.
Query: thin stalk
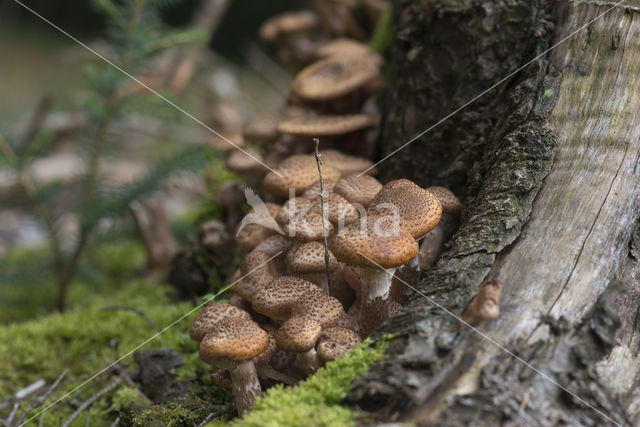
(324, 226)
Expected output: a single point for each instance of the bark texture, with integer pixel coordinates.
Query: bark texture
(548, 165)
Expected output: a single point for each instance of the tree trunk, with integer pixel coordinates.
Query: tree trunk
(547, 163)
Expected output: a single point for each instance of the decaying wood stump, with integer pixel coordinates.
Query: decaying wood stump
(548, 165)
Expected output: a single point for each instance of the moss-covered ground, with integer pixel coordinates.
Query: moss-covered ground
(88, 338)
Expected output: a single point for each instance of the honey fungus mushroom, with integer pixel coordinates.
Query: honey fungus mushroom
(432, 243)
(299, 335)
(233, 343)
(374, 247)
(295, 174)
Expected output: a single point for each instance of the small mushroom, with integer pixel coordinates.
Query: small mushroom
(256, 226)
(307, 227)
(297, 173)
(299, 335)
(260, 129)
(233, 343)
(314, 191)
(431, 246)
(338, 211)
(247, 163)
(257, 272)
(277, 298)
(358, 189)
(317, 305)
(336, 342)
(306, 260)
(374, 247)
(485, 305)
(211, 314)
(334, 77)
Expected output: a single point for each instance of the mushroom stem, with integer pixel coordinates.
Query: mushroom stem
(431, 246)
(374, 309)
(246, 386)
(310, 361)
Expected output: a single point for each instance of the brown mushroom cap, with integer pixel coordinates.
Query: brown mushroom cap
(419, 210)
(309, 258)
(292, 208)
(261, 128)
(377, 238)
(253, 233)
(347, 47)
(273, 245)
(336, 342)
(450, 203)
(223, 145)
(286, 24)
(211, 314)
(318, 306)
(307, 227)
(334, 77)
(346, 164)
(297, 172)
(314, 190)
(233, 339)
(330, 125)
(245, 161)
(359, 189)
(298, 334)
(337, 209)
(280, 294)
(257, 272)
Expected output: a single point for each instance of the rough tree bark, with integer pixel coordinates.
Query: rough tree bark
(548, 165)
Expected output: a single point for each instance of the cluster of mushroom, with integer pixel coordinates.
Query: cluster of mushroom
(283, 320)
(292, 309)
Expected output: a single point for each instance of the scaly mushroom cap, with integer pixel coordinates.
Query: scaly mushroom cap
(319, 126)
(253, 233)
(347, 47)
(273, 245)
(307, 227)
(256, 273)
(210, 315)
(280, 294)
(358, 189)
(241, 162)
(292, 208)
(298, 334)
(336, 342)
(288, 23)
(223, 144)
(394, 308)
(261, 128)
(346, 164)
(450, 203)
(317, 305)
(419, 210)
(314, 190)
(298, 172)
(378, 238)
(233, 339)
(309, 258)
(337, 209)
(334, 77)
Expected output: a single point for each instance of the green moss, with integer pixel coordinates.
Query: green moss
(316, 401)
(125, 398)
(88, 339)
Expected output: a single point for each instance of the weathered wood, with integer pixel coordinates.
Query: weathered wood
(558, 243)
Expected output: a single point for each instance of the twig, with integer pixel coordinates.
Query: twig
(141, 313)
(93, 400)
(41, 399)
(115, 422)
(324, 226)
